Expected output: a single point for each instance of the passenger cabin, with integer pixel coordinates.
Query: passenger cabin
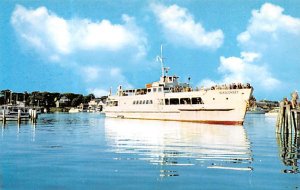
(166, 84)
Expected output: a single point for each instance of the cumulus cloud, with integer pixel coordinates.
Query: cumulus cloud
(243, 69)
(181, 28)
(42, 30)
(276, 36)
(56, 36)
(98, 51)
(108, 78)
(275, 39)
(268, 22)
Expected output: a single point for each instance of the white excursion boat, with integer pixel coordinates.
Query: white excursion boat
(168, 99)
(273, 113)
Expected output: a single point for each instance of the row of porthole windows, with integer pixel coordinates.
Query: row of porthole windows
(142, 102)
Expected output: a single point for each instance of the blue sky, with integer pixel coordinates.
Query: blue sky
(90, 46)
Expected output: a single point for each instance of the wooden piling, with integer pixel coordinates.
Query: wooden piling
(30, 114)
(280, 118)
(3, 117)
(34, 116)
(19, 117)
(288, 120)
(297, 118)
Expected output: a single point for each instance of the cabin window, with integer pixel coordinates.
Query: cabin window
(167, 102)
(141, 101)
(149, 90)
(134, 102)
(159, 89)
(167, 90)
(154, 89)
(185, 101)
(151, 102)
(197, 100)
(114, 103)
(174, 101)
(144, 101)
(161, 101)
(170, 79)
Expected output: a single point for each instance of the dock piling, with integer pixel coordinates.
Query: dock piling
(288, 118)
(3, 117)
(19, 116)
(33, 116)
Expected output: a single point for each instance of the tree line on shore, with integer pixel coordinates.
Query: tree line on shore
(42, 99)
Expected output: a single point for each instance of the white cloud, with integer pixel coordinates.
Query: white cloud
(90, 73)
(244, 70)
(275, 39)
(97, 51)
(98, 92)
(47, 32)
(268, 24)
(105, 35)
(41, 29)
(181, 28)
(116, 76)
(108, 78)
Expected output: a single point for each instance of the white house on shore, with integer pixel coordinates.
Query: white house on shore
(95, 105)
(62, 102)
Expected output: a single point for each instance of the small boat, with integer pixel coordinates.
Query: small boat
(255, 110)
(273, 113)
(74, 110)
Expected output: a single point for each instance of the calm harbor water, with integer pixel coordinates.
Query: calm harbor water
(89, 151)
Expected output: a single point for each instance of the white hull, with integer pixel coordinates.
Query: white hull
(74, 110)
(274, 114)
(218, 107)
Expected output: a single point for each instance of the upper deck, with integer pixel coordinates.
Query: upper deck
(170, 84)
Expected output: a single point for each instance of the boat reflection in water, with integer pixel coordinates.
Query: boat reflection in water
(289, 151)
(180, 143)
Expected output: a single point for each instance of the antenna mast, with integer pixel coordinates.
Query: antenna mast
(162, 61)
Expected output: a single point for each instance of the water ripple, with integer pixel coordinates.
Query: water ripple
(180, 144)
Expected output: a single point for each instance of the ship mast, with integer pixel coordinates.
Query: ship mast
(161, 60)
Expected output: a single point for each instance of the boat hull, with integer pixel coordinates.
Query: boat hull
(172, 117)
